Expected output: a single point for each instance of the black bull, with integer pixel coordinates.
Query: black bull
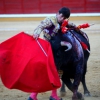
(73, 62)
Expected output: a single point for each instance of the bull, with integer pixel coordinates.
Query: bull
(71, 59)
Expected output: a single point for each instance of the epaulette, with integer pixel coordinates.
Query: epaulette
(54, 20)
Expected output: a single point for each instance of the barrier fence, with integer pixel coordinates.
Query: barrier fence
(48, 6)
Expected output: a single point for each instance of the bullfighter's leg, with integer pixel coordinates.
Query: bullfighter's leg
(33, 96)
(54, 95)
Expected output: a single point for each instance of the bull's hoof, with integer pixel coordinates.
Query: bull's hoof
(79, 96)
(51, 98)
(87, 94)
(62, 94)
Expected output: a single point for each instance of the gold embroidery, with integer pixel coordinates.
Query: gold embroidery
(52, 34)
(47, 36)
(48, 22)
(55, 23)
(45, 23)
(54, 20)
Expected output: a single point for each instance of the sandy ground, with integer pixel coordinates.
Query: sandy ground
(8, 29)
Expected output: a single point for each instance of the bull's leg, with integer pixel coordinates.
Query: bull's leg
(63, 89)
(86, 91)
(76, 95)
(67, 82)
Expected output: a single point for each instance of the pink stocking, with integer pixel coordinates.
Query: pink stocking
(54, 94)
(33, 96)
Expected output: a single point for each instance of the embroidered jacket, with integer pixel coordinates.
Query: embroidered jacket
(49, 26)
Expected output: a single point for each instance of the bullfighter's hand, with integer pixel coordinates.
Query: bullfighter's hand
(36, 36)
(71, 25)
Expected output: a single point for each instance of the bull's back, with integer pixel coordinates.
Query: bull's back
(84, 40)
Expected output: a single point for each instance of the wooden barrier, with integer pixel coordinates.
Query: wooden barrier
(41, 18)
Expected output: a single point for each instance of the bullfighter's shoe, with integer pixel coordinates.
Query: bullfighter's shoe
(31, 98)
(51, 98)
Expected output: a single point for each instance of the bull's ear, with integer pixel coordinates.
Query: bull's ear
(64, 43)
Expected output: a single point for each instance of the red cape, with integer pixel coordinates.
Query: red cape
(24, 66)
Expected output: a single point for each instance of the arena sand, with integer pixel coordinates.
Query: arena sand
(10, 28)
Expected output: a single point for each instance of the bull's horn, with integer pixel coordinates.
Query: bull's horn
(64, 43)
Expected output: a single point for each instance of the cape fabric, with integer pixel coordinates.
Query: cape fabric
(24, 66)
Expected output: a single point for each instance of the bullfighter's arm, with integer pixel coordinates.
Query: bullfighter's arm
(45, 23)
(72, 25)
